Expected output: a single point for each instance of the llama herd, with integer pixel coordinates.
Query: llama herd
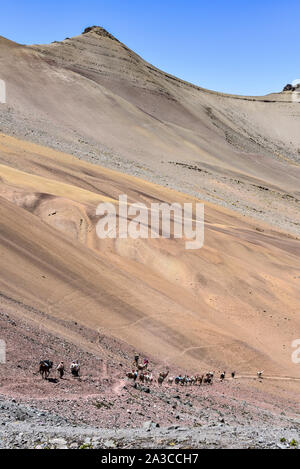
(142, 374)
(145, 376)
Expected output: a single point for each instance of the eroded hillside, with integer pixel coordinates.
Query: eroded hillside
(232, 303)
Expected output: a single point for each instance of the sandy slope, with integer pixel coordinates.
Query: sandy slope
(93, 97)
(232, 304)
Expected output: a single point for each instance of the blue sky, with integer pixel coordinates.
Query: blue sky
(243, 47)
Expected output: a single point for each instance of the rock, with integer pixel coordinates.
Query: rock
(59, 443)
(100, 32)
(73, 446)
(288, 87)
(281, 446)
(188, 403)
(109, 444)
(173, 427)
(150, 425)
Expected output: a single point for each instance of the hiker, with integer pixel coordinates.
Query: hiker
(233, 375)
(61, 370)
(136, 359)
(222, 377)
(75, 368)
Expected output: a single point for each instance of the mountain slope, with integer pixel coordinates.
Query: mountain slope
(233, 303)
(93, 97)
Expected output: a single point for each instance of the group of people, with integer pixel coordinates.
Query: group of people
(137, 363)
(46, 367)
(74, 369)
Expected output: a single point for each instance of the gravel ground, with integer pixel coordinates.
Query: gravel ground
(26, 427)
(103, 409)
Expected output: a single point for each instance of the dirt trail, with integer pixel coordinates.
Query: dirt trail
(265, 377)
(117, 387)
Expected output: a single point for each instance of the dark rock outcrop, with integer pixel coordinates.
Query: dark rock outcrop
(100, 31)
(289, 87)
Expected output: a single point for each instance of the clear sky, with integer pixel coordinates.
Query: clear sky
(235, 46)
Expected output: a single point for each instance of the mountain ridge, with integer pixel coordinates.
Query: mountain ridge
(95, 98)
(104, 33)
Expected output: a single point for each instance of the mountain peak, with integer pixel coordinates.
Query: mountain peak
(99, 31)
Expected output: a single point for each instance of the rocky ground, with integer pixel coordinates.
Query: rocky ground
(103, 409)
(24, 426)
